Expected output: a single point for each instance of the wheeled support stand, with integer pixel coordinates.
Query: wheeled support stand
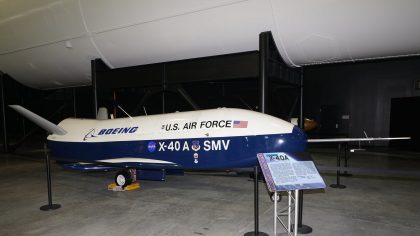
(126, 177)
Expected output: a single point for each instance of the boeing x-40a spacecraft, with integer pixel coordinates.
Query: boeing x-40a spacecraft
(222, 138)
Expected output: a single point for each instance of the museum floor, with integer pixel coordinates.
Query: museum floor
(204, 203)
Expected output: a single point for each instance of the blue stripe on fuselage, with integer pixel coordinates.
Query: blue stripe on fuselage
(195, 153)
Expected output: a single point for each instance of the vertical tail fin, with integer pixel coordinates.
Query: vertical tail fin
(41, 122)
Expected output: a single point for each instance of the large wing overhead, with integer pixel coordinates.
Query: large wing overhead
(344, 140)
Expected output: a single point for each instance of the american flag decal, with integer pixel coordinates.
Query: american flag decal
(240, 124)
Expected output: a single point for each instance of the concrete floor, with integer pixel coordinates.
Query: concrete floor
(203, 203)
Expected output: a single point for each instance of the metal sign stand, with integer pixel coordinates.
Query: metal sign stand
(291, 209)
(283, 172)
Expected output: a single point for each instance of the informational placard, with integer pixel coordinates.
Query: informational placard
(290, 171)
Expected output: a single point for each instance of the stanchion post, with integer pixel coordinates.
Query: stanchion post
(302, 229)
(50, 205)
(256, 231)
(338, 184)
(346, 164)
(256, 201)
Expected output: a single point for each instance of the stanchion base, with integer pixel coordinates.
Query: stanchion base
(337, 186)
(48, 207)
(253, 234)
(304, 229)
(346, 175)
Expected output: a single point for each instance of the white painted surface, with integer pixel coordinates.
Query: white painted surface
(150, 127)
(134, 160)
(41, 122)
(346, 140)
(49, 43)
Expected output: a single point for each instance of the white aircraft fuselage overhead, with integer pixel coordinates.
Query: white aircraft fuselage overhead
(49, 43)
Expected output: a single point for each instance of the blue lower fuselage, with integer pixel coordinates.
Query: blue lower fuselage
(195, 153)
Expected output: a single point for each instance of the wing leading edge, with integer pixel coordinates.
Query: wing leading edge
(139, 163)
(123, 162)
(343, 140)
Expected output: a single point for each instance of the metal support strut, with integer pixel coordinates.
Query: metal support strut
(74, 102)
(302, 229)
(163, 88)
(50, 205)
(3, 109)
(264, 40)
(94, 88)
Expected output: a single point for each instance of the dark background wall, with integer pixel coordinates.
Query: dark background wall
(361, 91)
(54, 105)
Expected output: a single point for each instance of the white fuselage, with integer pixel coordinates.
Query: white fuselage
(216, 138)
(194, 124)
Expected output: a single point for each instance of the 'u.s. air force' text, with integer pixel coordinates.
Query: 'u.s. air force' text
(206, 124)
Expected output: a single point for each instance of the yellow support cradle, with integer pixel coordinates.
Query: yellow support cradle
(133, 186)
